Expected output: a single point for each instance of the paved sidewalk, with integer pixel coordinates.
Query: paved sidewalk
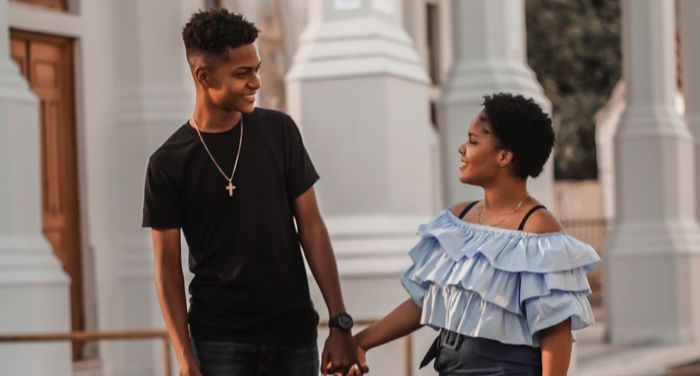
(595, 357)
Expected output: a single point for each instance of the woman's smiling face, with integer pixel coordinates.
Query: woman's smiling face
(480, 154)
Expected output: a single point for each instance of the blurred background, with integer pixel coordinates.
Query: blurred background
(383, 92)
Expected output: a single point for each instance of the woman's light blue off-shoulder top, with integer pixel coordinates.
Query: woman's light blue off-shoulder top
(500, 284)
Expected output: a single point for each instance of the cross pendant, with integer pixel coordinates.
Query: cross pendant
(230, 187)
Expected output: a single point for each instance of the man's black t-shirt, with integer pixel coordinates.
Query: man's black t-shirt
(249, 279)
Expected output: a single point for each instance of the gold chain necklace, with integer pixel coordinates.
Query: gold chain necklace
(481, 209)
(230, 187)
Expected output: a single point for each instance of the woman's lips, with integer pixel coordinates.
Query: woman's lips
(462, 165)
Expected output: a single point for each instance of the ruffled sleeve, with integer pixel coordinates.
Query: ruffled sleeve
(499, 284)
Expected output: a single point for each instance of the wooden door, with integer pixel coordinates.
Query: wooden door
(47, 63)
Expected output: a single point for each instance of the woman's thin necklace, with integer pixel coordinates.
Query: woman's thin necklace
(230, 187)
(481, 209)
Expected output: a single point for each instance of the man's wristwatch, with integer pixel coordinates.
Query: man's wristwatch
(343, 322)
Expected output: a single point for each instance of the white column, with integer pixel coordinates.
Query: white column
(690, 29)
(153, 98)
(691, 79)
(293, 15)
(653, 260)
(359, 93)
(33, 287)
(489, 48)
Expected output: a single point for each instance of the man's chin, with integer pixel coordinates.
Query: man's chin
(239, 106)
(246, 109)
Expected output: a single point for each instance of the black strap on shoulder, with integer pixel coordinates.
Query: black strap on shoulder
(466, 209)
(529, 213)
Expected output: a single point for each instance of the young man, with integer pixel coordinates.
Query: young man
(234, 178)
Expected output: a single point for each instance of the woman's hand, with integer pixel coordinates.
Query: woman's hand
(360, 368)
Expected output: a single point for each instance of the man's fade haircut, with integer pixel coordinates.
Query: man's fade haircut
(213, 32)
(520, 125)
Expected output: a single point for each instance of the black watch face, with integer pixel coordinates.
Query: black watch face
(342, 321)
(345, 322)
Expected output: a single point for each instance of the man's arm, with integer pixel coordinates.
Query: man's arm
(170, 286)
(340, 348)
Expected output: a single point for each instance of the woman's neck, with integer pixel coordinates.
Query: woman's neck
(505, 194)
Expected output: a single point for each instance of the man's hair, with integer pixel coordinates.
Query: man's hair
(521, 126)
(213, 32)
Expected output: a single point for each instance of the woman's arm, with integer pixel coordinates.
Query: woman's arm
(401, 321)
(556, 340)
(556, 349)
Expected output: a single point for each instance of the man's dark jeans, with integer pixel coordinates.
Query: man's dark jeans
(218, 358)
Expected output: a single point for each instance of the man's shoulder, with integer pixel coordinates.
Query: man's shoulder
(270, 118)
(173, 147)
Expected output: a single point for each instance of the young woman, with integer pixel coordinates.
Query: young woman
(498, 277)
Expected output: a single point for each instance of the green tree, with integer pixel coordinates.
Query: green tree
(574, 48)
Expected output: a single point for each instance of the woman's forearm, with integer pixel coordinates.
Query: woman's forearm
(556, 349)
(401, 321)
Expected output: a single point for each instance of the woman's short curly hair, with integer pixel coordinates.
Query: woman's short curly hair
(521, 126)
(214, 31)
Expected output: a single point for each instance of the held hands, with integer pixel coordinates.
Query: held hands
(341, 356)
(362, 367)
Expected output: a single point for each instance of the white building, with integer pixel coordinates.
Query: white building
(88, 89)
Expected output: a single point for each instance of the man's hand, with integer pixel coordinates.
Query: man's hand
(340, 353)
(189, 369)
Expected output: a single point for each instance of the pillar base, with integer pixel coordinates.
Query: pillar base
(653, 289)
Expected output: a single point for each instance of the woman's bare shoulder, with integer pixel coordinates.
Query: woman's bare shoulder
(543, 221)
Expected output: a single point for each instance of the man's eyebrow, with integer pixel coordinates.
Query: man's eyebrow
(247, 67)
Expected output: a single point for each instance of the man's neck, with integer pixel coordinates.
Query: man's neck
(214, 120)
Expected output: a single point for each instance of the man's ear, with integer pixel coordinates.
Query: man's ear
(202, 76)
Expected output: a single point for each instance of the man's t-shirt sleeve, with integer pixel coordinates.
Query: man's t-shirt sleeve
(300, 174)
(162, 207)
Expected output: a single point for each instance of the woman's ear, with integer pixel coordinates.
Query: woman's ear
(505, 157)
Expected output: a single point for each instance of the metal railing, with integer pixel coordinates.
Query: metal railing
(163, 336)
(593, 231)
(98, 336)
